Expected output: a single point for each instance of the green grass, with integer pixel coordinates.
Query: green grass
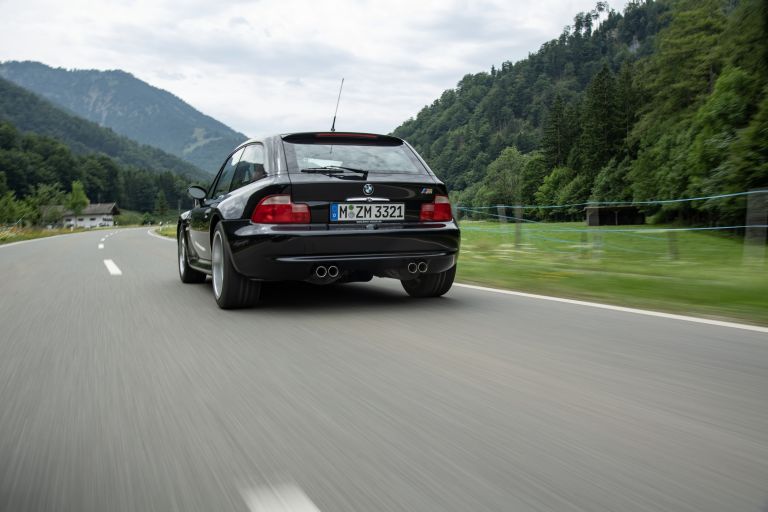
(699, 273)
(168, 230)
(10, 235)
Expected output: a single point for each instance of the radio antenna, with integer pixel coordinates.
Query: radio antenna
(333, 125)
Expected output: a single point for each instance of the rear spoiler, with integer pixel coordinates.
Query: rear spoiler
(342, 138)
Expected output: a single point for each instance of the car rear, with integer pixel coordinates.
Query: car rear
(355, 205)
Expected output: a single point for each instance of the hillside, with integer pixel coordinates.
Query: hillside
(31, 113)
(664, 100)
(37, 172)
(130, 107)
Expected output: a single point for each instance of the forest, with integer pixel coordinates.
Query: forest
(39, 172)
(29, 112)
(666, 100)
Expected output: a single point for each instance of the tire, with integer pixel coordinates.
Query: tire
(430, 285)
(186, 273)
(231, 290)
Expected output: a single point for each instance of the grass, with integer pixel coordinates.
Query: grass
(699, 273)
(168, 230)
(15, 234)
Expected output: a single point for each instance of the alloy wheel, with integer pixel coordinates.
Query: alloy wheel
(217, 264)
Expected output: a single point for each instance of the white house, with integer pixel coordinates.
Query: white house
(93, 216)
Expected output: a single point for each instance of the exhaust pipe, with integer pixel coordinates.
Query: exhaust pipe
(321, 271)
(333, 271)
(422, 266)
(413, 267)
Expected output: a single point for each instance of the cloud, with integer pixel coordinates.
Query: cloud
(270, 66)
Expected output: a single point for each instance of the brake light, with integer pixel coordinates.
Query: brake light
(439, 210)
(347, 135)
(279, 209)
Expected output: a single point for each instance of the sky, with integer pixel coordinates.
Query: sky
(271, 66)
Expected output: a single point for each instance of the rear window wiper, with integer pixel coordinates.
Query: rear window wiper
(334, 169)
(338, 171)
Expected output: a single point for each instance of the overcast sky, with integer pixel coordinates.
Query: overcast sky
(268, 66)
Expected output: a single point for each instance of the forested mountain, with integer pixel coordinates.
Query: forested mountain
(30, 113)
(44, 150)
(37, 172)
(667, 99)
(130, 107)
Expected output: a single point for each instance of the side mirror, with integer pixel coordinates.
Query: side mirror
(196, 193)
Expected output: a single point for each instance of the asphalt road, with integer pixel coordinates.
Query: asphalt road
(135, 392)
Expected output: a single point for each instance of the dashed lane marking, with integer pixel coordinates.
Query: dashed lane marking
(112, 268)
(101, 246)
(279, 498)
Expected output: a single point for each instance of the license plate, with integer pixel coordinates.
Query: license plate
(364, 212)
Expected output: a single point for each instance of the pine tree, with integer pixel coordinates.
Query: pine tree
(601, 137)
(554, 143)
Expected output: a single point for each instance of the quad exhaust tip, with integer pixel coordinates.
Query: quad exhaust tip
(321, 271)
(333, 271)
(422, 266)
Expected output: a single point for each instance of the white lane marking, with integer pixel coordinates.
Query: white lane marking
(103, 239)
(279, 498)
(151, 232)
(46, 238)
(707, 321)
(101, 246)
(112, 268)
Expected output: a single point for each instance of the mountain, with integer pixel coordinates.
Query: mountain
(667, 99)
(37, 172)
(130, 107)
(31, 113)
(468, 127)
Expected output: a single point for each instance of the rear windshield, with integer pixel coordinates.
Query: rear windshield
(371, 157)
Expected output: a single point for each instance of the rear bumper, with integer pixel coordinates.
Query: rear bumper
(282, 253)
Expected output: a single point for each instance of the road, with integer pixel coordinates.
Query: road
(135, 392)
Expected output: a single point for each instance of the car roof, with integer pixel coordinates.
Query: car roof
(347, 136)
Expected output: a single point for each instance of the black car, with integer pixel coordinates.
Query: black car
(323, 208)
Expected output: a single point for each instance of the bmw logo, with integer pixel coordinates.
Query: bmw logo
(368, 189)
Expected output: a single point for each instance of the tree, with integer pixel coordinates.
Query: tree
(161, 204)
(550, 191)
(684, 67)
(532, 176)
(77, 200)
(555, 143)
(627, 99)
(44, 204)
(601, 136)
(501, 184)
(11, 209)
(9, 136)
(611, 182)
